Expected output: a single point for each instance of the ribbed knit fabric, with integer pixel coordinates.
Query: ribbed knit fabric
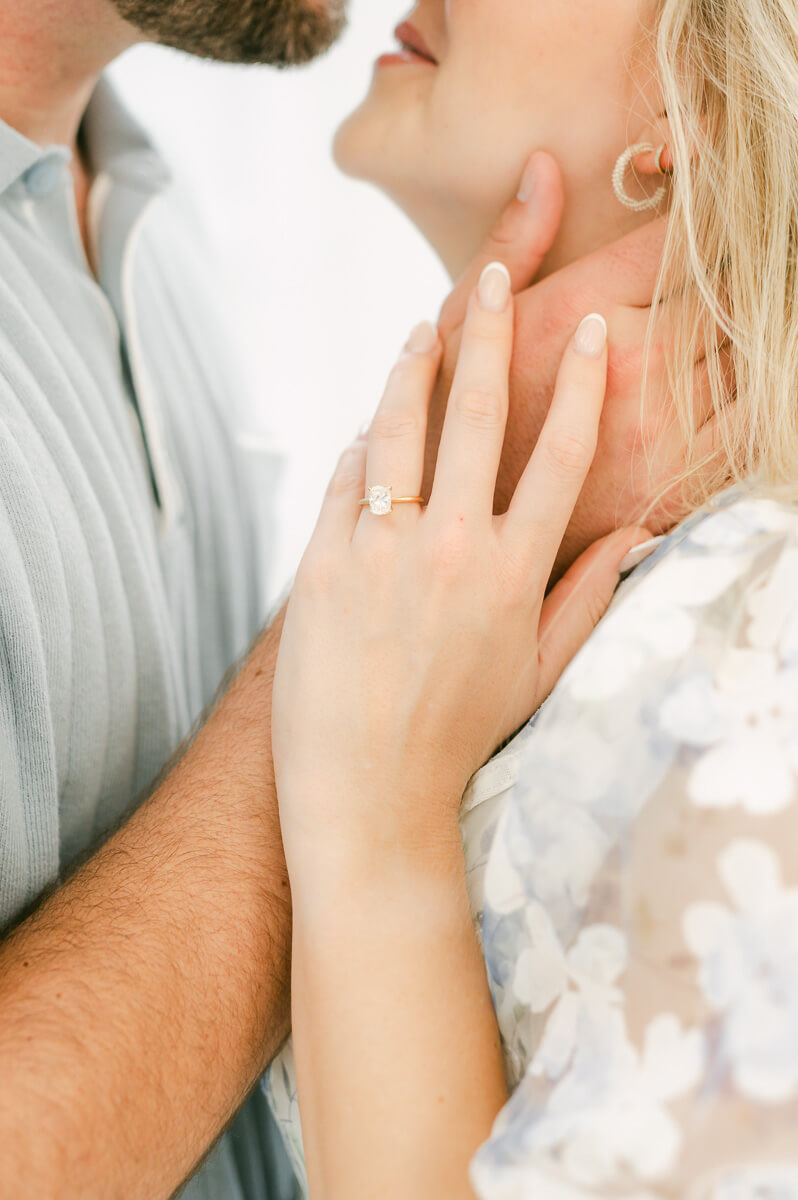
(129, 545)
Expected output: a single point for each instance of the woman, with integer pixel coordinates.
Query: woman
(636, 890)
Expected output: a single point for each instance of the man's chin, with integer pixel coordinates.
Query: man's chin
(281, 33)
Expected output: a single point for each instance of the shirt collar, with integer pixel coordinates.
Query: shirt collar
(17, 154)
(116, 144)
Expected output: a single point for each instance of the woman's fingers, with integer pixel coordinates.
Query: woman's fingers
(476, 416)
(549, 488)
(341, 507)
(398, 431)
(579, 601)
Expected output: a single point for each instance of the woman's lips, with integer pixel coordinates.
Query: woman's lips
(414, 48)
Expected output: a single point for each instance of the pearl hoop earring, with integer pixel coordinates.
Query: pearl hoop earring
(619, 179)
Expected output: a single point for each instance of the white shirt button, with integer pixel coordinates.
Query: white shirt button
(43, 176)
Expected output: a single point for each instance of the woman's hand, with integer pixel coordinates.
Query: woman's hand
(415, 643)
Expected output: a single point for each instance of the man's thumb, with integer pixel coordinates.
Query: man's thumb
(521, 238)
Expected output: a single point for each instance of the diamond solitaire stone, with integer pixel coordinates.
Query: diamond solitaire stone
(380, 501)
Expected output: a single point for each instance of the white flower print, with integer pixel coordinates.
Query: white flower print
(760, 1182)
(541, 972)
(504, 888)
(530, 1181)
(774, 621)
(605, 666)
(685, 582)
(749, 970)
(609, 1112)
(569, 850)
(607, 1106)
(656, 624)
(587, 775)
(755, 771)
(746, 719)
(586, 974)
(733, 527)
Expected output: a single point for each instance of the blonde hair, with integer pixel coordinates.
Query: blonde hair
(729, 77)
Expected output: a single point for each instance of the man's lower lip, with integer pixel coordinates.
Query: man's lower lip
(403, 58)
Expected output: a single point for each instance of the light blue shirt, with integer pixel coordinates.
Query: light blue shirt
(132, 524)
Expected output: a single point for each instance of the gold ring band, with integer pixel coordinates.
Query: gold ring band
(398, 500)
(381, 500)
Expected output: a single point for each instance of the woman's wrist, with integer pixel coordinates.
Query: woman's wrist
(353, 892)
(382, 849)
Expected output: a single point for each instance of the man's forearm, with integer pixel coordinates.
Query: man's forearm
(139, 1004)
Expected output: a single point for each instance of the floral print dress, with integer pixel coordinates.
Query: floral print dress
(633, 858)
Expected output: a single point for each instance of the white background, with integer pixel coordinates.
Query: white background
(327, 276)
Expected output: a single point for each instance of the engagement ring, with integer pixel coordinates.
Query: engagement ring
(380, 501)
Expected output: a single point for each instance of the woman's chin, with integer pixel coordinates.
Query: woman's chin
(362, 150)
(353, 150)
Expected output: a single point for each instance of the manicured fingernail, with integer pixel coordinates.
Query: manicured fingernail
(526, 189)
(423, 338)
(363, 432)
(494, 287)
(591, 336)
(639, 554)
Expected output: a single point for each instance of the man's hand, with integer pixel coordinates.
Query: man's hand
(521, 239)
(140, 1003)
(618, 281)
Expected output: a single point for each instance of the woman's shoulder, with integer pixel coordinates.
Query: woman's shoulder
(685, 700)
(725, 580)
(720, 542)
(700, 645)
(642, 890)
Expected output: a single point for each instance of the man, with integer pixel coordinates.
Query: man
(142, 998)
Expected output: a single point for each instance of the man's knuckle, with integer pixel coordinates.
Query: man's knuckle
(626, 363)
(636, 258)
(504, 234)
(569, 302)
(479, 408)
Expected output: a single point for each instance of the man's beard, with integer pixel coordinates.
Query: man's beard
(280, 32)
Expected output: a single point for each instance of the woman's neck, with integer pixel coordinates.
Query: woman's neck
(586, 226)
